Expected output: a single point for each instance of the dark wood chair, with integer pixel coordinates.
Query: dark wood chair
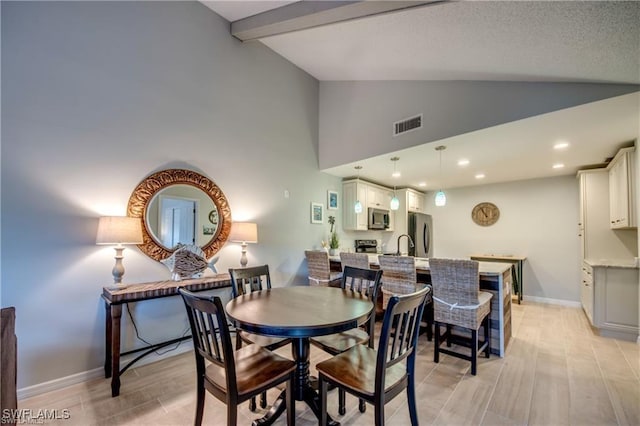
(233, 376)
(379, 376)
(367, 282)
(459, 302)
(245, 280)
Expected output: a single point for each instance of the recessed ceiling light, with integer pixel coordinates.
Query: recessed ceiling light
(480, 176)
(558, 166)
(422, 184)
(463, 162)
(561, 145)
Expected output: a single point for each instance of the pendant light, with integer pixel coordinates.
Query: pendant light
(358, 206)
(395, 203)
(441, 198)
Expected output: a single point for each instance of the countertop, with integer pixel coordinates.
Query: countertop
(612, 263)
(422, 264)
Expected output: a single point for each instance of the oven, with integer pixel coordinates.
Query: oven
(366, 246)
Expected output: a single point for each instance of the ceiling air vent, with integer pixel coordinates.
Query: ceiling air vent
(407, 125)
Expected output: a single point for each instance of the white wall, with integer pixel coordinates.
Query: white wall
(538, 219)
(95, 97)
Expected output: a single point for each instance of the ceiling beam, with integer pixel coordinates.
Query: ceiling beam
(309, 13)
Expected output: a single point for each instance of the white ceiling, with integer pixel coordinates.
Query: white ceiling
(569, 41)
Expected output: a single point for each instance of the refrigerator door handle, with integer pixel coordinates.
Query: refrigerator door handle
(426, 239)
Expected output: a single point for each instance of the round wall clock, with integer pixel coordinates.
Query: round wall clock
(485, 214)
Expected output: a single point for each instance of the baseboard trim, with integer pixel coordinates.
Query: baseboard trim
(85, 376)
(561, 302)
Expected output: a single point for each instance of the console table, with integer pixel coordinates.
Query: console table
(115, 297)
(516, 261)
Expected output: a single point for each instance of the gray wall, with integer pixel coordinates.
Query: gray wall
(538, 219)
(95, 97)
(356, 117)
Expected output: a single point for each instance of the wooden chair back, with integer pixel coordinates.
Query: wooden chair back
(357, 260)
(210, 333)
(251, 279)
(399, 334)
(367, 282)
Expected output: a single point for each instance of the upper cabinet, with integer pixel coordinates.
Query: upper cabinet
(370, 196)
(352, 192)
(415, 201)
(622, 190)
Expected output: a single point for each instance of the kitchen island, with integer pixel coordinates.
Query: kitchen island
(495, 278)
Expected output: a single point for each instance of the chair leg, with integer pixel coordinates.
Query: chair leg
(474, 352)
(411, 399)
(232, 414)
(252, 404)
(436, 342)
(429, 314)
(199, 401)
(448, 335)
(322, 387)
(362, 406)
(341, 402)
(487, 336)
(379, 414)
(263, 399)
(290, 402)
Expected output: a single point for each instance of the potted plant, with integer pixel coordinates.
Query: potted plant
(334, 241)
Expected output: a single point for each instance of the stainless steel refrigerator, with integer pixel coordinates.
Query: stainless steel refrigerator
(421, 231)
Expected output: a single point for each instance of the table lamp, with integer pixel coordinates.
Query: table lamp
(243, 232)
(119, 230)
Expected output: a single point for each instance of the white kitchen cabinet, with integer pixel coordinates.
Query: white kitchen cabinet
(586, 291)
(353, 191)
(415, 201)
(376, 198)
(597, 239)
(370, 196)
(622, 190)
(615, 301)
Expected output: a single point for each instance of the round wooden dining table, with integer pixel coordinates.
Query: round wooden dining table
(299, 313)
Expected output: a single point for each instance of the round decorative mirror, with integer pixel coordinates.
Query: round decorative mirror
(180, 206)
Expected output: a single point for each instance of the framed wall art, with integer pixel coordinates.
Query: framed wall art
(317, 213)
(332, 200)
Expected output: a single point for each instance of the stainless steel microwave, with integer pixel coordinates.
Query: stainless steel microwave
(378, 219)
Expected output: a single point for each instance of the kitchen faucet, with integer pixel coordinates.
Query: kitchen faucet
(408, 239)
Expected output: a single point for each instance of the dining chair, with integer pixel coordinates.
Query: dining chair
(378, 376)
(459, 302)
(320, 273)
(366, 282)
(244, 280)
(232, 376)
(400, 277)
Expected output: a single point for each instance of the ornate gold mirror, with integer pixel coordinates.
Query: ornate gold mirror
(180, 206)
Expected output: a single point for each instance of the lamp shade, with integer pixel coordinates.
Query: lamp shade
(119, 230)
(244, 232)
(441, 199)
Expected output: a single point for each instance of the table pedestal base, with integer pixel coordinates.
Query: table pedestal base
(304, 391)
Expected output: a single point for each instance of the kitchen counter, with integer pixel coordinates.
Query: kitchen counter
(612, 263)
(496, 278)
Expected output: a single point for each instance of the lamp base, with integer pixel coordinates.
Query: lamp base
(243, 257)
(118, 269)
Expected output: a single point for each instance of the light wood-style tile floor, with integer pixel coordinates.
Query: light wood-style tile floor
(556, 372)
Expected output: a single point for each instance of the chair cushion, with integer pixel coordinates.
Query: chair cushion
(267, 342)
(255, 366)
(340, 342)
(356, 369)
(468, 318)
